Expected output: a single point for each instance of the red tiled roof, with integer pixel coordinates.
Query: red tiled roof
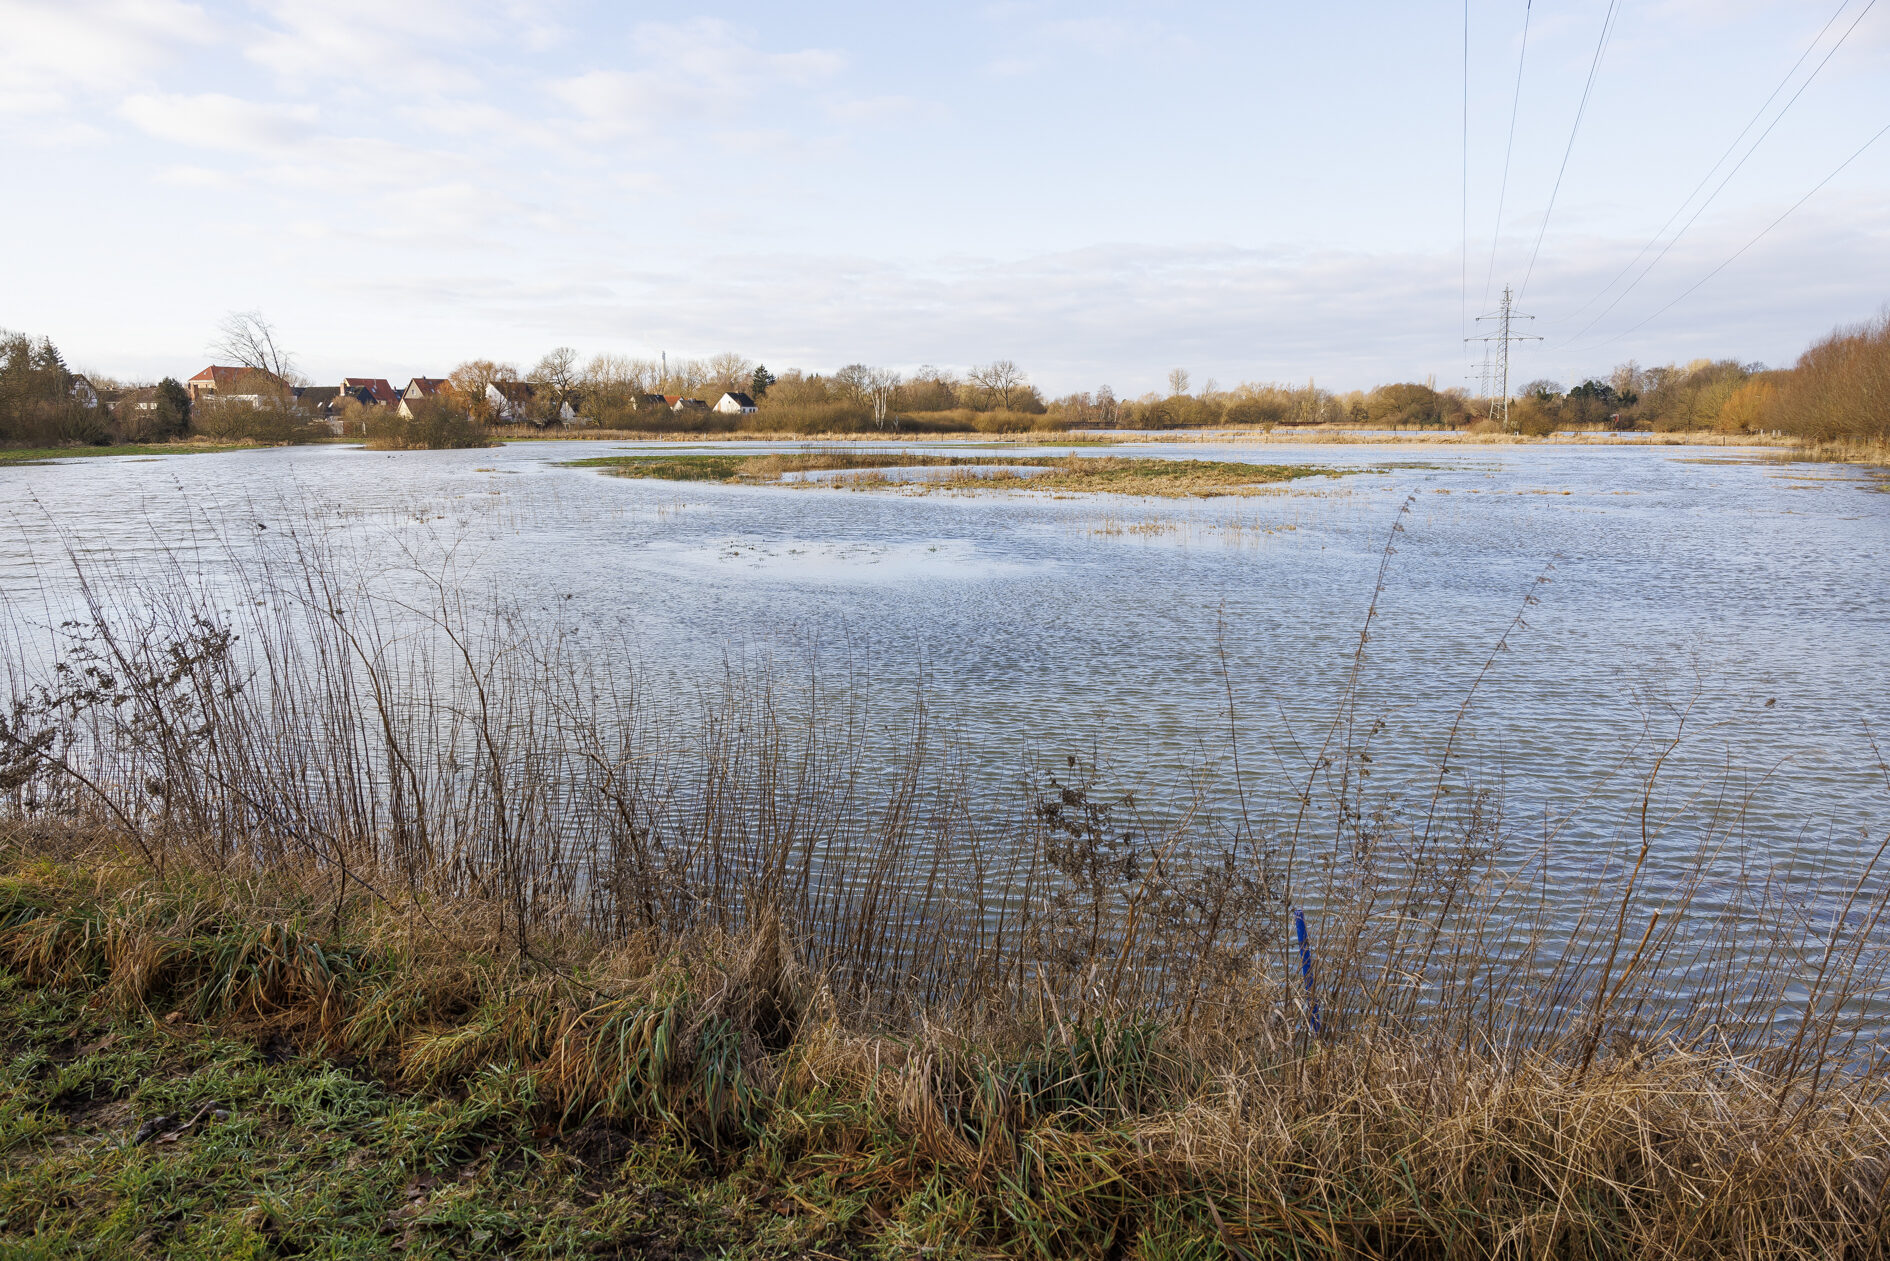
(218, 376)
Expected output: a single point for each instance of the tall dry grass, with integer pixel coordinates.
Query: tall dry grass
(752, 914)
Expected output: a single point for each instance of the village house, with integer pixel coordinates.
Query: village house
(678, 403)
(509, 400)
(370, 391)
(424, 387)
(735, 403)
(223, 381)
(318, 400)
(140, 398)
(512, 404)
(83, 392)
(319, 403)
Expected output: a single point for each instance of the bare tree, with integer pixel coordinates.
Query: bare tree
(1177, 381)
(1002, 378)
(882, 391)
(557, 375)
(471, 378)
(852, 382)
(246, 340)
(729, 371)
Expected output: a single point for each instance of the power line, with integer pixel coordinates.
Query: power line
(1755, 240)
(1594, 68)
(1728, 174)
(1463, 262)
(1502, 195)
(1681, 208)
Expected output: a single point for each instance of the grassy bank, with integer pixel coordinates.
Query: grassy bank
(42, 455)
(1094, 475)
(258, 1063)
(1874, 454)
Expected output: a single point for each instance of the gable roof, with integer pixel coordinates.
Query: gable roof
(224, 376)
(424, 387)
(318, 397)
(376, 388)
(739, 399)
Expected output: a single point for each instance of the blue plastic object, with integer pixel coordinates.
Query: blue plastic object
(1305, 964)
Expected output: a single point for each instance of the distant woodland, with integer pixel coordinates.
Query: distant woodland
(1834, 393)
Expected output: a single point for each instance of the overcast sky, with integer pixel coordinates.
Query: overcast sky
(1100, 191)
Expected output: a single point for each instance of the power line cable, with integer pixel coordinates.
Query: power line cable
(1704, 179)
(1729, 175)
(1594, 68)
(1463, 261)
(1502, 195)
(1755, 240)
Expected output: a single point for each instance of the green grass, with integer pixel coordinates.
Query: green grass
(45, 455)
(320, 1159)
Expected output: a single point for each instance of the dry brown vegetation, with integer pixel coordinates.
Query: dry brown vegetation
(1071, 474)
(1058, 1132)
(440, 423)
(1837, 392)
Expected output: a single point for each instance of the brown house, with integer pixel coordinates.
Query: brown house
(222, 379)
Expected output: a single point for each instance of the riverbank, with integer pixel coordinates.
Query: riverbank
(271, 1062)
(40, 455)
(1763, 445)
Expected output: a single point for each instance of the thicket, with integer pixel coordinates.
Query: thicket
(259, 407)
(441, 422)
(1839, 391)
(36, 403)
(470, 847)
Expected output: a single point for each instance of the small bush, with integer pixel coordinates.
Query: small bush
(436, 425)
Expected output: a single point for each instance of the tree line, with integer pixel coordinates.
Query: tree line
(1835, 392)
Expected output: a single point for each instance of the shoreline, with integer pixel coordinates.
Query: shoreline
(1767, 446)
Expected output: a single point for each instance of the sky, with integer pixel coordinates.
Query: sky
(1100, 192)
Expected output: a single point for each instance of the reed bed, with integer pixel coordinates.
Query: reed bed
(1043, 1011)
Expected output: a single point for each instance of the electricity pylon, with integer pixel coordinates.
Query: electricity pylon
(1504, 315)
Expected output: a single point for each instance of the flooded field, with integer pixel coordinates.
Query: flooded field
(1705, 594)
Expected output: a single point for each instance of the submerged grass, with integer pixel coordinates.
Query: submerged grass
(1096, 475)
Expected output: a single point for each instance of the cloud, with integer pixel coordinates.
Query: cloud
(413, 46)
(212, 120)
(1126, 312)
(52, 49)
(701, 70)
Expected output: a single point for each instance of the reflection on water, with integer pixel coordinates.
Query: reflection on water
(1744, 598)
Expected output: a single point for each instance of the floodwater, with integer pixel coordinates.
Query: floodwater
(1734, 602)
